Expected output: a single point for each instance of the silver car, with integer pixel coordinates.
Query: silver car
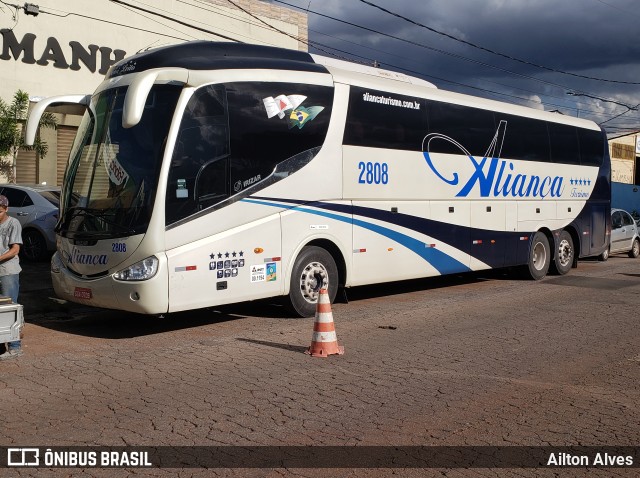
(36, 207)
(624, 233)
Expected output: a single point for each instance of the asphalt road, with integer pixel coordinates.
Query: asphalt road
(467, 361)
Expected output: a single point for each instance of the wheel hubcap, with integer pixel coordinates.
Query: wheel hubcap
(539, 256)
(313, 278)
(565, 253)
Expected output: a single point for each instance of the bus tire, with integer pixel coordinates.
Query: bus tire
(313, 270)
(539, 257)
(565, 254)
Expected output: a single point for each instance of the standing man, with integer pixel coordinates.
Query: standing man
(10, 242)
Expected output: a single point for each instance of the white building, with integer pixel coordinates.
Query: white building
(625, 165)
(56, 47)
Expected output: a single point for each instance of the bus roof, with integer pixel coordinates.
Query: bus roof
(209, 55)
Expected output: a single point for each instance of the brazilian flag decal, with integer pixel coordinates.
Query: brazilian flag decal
(302, 115)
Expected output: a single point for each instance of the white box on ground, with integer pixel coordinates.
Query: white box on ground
(11, 322)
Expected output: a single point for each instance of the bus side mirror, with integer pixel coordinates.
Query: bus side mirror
(39, 108)
(140, 87)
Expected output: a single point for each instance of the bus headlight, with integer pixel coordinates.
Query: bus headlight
(55, 263)
(143, 270)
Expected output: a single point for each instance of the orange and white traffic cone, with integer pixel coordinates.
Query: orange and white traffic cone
(324, 341)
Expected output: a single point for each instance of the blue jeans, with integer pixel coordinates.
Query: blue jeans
(10, 287)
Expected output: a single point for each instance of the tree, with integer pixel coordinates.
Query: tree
(12, 119)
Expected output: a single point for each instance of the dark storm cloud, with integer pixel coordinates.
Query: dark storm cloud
(593, 38)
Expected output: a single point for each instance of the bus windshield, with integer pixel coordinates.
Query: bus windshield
(112, 176)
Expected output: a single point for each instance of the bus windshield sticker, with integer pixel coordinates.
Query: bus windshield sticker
(117, 174)
(291, 107)
(301, 115)
(181, 189)
(280, 104)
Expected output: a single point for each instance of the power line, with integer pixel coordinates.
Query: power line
(172, 18)
(618, 8)
(306, 42)
(267, 24)
(618, 116)
(494, 52)
(563, 87)
(110, 23)
(314, 44)
(154, 20)
(264, 25)
(166, 17)
(217, 12)
(16, 15)
(464, 85)
(497, 93)
(437, 50)
(224, 13)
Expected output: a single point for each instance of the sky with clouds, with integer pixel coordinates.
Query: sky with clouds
(529, 52)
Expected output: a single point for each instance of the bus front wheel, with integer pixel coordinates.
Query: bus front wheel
(313, 270)
(539, 256)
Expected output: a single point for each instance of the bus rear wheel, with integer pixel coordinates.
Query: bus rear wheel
(539, 257)
(565, 254)
(313, 270)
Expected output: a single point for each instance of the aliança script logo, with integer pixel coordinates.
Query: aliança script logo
(492, 176)
(78, 257)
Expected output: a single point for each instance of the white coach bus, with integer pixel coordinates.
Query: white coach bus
(212, 173)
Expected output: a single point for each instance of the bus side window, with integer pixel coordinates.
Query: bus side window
(564, 143)
(525, 139)
(199, 174)
(212, 184)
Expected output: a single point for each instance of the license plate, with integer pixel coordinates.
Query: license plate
(82, 293)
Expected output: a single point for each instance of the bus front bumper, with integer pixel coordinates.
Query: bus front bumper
(142, 297)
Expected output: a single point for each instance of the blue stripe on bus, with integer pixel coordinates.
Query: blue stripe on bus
(507, 250)
(442, 262)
